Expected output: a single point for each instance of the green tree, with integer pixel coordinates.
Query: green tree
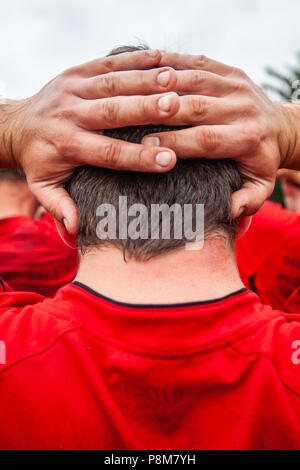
(286, 83)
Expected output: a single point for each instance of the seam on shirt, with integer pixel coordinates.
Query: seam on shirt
(259, 353)
(179, 354)
(47, 348)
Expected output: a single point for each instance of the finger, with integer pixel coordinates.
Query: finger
(134, 82)
(109, 113)
(56, 200)
(203, 83)
(250, 197)
(196, 109)
(223, 141)
(194, 62)
(127, 61)
(98, 150)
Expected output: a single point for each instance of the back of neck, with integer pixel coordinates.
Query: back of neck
(179, 276)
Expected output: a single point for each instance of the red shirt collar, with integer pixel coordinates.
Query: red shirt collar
(166, 329)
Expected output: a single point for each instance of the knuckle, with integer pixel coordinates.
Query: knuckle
(109, 84)
(66, 144)
(206, 139)
(108, 63)
(142, 158)
(67, 72)
(172, 140)
(242, 86)
(68, 85)
(111, 154)
(70, 72)
(142, 78)
(200, 61)
(110, 110)
(250, 108)
(198, 77)
(197, 106)
(67, 113)
(145, 106)
(239, 73)
(253, 139)
(171, 58)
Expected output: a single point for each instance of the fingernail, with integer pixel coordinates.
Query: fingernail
(163, 158)
(241, 211)
(163, 78)
(164, 103)
(65, 221)
(151, 141)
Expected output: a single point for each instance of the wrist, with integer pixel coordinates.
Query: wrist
(289, 143)
(10, 132)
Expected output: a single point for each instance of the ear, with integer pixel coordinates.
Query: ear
(68, 239)
(244, 224)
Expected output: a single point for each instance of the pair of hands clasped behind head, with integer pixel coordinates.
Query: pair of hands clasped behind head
(59, 128)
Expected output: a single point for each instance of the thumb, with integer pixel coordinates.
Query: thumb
(57, 201)
(250, 197)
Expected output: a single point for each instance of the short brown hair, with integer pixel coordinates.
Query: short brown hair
(191, 181)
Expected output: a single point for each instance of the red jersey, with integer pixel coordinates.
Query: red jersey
(33, 257)
(268, 255)
(85, 372)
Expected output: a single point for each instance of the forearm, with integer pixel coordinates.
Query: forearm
(8, 133)
(290, 136)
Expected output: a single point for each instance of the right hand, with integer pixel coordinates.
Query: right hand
(231, 117)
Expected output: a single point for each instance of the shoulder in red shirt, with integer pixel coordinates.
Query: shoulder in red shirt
(33, 257)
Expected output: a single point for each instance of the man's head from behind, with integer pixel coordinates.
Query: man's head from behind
(126, 201)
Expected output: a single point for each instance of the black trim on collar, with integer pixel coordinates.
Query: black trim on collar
(2, 285)
(187, 304)
(252, 284)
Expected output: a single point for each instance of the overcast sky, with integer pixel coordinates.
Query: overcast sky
(40, 38)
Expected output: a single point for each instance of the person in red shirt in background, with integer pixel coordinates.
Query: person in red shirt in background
(32, 255)
(290, 184)
(268, 255)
